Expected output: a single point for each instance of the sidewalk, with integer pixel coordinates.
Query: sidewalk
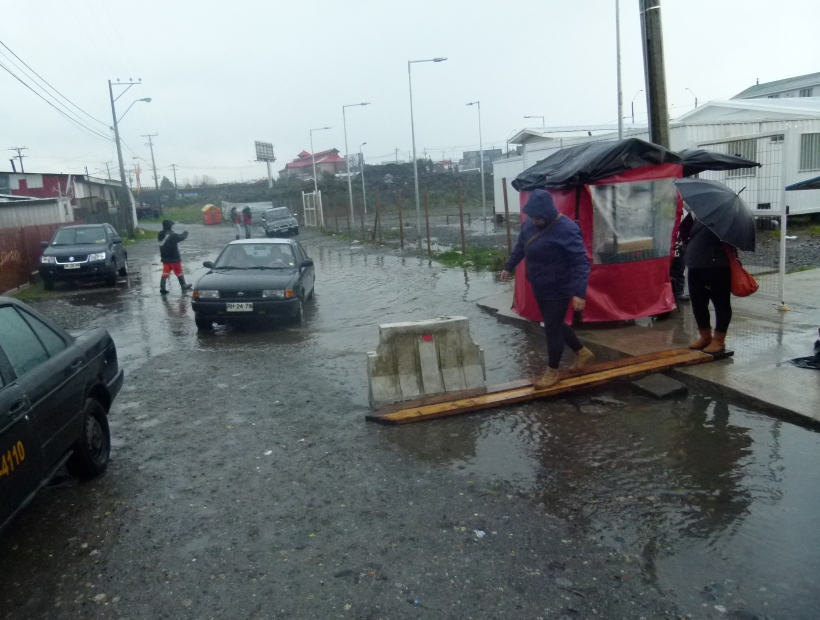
(762, 337)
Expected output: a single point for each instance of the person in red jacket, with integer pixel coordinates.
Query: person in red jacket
(236, 221)
(246, 220)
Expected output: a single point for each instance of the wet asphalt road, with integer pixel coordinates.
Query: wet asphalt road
(244, 482)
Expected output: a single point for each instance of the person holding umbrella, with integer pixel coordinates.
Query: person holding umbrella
(722, 224)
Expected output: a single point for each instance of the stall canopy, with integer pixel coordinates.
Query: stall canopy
(623, 197)
(803, 185)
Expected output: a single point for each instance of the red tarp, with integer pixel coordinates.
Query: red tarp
(616, 292)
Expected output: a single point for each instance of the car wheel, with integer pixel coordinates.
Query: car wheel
(299, 317)
(48, 284)
(93, 449)
(123, 271)
(203, 323)
(312, 290)
(296, 231)
(111, 279)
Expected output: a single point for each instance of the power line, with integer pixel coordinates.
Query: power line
(79, 125)
(51, 87)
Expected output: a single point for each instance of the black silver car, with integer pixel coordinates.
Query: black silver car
(55, 394)
(279, 222)
(84, 252)
(254, 279)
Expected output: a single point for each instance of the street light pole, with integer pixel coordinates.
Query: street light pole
(694, 95)
(633, 105)
(313, 157)
(361, 163)
(542, 120)
(481, 155)
(618, 58)
(347, 160)
(413, 135)
(123, 181)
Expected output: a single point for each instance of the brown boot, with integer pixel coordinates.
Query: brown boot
(550, 378)
(704, 341)
(718, 344)
(583, 357)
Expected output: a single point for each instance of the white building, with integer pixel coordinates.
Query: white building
(801, 86)
(783, 134)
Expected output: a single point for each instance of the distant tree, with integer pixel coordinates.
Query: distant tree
(166, 183)
(207, 180)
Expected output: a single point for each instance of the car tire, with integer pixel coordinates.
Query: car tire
(296, 231)
(48, 284)
(202, 323)
(299, 317)
(93, 449)
(123, 271)
(111, 279)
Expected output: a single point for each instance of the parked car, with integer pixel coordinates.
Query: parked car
(254, 279)
(84, 252)
(55, 394)
(279, 221)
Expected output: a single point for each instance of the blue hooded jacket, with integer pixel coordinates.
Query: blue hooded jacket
(557, 264)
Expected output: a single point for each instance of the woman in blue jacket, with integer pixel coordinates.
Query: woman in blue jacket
(558, 270)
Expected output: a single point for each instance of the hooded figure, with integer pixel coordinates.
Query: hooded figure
(247, 218)
(169, 254)
(236, 221)
(558, 270)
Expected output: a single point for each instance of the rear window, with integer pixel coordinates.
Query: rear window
(79, 236)
(276, 214)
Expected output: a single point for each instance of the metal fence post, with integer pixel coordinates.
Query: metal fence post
(507, 214)
(401, 223)
(427, 221)
(461, 220)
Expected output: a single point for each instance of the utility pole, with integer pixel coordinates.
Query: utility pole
(176, 189)
(123, 181)
(397, 154)
(654, 72)
(107, 169)
(20, 155)
(618, 56)
(154, 165)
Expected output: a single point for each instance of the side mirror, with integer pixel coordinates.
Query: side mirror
(116, 240)
(208, 264)
(44, 244)
(308, 262)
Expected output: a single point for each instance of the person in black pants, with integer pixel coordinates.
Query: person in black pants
(558, 270)
(710, 279)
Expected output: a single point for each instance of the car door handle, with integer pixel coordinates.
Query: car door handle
(18, 407)
(76, 363)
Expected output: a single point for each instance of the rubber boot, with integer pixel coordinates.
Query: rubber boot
(704, 341)
(163, 286)
(185, 287)
(583, 357)
(718, 344)
(550, 378)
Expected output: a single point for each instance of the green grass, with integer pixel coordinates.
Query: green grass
(31, 293)
(480, 259)
(802, 268)
(140, 235)
(191, 214)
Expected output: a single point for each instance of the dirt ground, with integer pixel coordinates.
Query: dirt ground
(245, 483)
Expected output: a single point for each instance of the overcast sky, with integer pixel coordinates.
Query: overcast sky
(223, 74)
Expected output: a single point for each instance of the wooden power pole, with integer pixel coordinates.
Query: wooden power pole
(655, 75)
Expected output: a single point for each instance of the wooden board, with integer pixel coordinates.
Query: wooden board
(522, 391)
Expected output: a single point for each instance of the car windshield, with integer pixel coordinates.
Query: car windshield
(277, 214)
(256, 256)
(80, 236)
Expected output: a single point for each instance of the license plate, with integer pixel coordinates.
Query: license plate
(71, 266)
(247, 307)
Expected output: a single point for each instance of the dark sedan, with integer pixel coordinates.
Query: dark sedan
(279, 221)
(55, 394)
(254, 279)
(86, 252)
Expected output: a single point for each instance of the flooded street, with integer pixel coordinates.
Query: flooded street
(245, 482)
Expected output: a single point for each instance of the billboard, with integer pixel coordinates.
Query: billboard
(264, 151)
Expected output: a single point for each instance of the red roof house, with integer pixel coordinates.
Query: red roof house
(302, 166)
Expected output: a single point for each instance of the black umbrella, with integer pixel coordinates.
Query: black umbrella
(721, 210)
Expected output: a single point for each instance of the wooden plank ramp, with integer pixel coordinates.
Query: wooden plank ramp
(458, 403)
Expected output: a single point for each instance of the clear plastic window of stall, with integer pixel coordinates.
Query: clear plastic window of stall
(632, 221)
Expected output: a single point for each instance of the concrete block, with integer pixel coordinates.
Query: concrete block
(423, 358)
(659, 386)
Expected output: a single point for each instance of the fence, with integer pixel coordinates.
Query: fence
(20, 252)
(763, 190)
(313, 213)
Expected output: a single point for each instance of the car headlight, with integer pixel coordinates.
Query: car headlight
(198, 294)
(96, 256)
(273, 293)
(48, 260)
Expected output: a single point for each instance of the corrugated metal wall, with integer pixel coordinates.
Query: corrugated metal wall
(19, 214)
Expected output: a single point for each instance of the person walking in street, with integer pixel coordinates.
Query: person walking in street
(710, 279)
(246, 220)
(558, 270)
(169, 253)
(236, 222)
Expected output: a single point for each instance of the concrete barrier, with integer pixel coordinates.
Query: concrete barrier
(423, 358)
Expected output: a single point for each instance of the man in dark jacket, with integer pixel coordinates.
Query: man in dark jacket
(169, 253)
(247, 219)
(558, 270)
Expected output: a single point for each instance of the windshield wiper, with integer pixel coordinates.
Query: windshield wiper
(267, 267)
(229, 267)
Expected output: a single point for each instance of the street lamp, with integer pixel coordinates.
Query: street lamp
(361, 163)
(633, 105)
(123, 180)
(313, 157)
(541, 117)
(508, 142)
(347, 163)
(694, 95)
(413, 134)
(481, 155)
(146, 100)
